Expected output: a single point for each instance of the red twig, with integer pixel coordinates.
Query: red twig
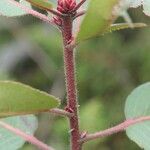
(113, 130)
(32, 12)
(69, 64)
(29, 138)
(56, 13)
(81, 13)
(79, 5)
(61, 112)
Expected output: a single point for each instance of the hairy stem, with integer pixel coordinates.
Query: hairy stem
(29, 138)
(113, 130)
(61, 112)
(69, 65)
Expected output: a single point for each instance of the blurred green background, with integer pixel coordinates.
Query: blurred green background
(108, 69)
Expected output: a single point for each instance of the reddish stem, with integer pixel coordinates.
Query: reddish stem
(61, 112)
(26, 137)
(79, 5)
(69, 64)
(32, 12)
(118, 128)
(81, 13)
(55, 12)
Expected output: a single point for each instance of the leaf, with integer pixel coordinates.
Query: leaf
(9, 9)
(98, 18)
(12, 8)
(19, 99)
(42, 4)
(54, 2)
(138, 105)
(121, 26)
(10, 141)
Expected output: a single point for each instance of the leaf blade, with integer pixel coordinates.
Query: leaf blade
(7, 8)
(28, 124)
(19, 99)
(42, 4)
(98, 18)
(138, 105)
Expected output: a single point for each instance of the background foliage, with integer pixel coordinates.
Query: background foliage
(108, 68)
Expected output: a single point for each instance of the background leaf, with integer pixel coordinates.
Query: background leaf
(138, 105)
(10, 141)
(98, 18)
(17, 98)
(10, 10)
(42, 4)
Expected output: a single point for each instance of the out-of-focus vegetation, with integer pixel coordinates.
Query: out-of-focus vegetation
(108, 68)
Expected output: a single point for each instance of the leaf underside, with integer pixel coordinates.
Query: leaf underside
(9, 9)
(10, 141)
(138, 105)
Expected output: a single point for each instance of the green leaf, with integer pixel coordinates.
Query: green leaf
(10, 141)
(19, 99)
(121, 26)
(9, 9)
(138, 105)
(42, 4)
(98, 18)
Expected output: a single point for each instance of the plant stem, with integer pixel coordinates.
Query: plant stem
(55, 12)
(69, 66)
(118, 128)
(31, 139)
(81, 13)
(79, 5)
(32, 12)
(61, 112)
